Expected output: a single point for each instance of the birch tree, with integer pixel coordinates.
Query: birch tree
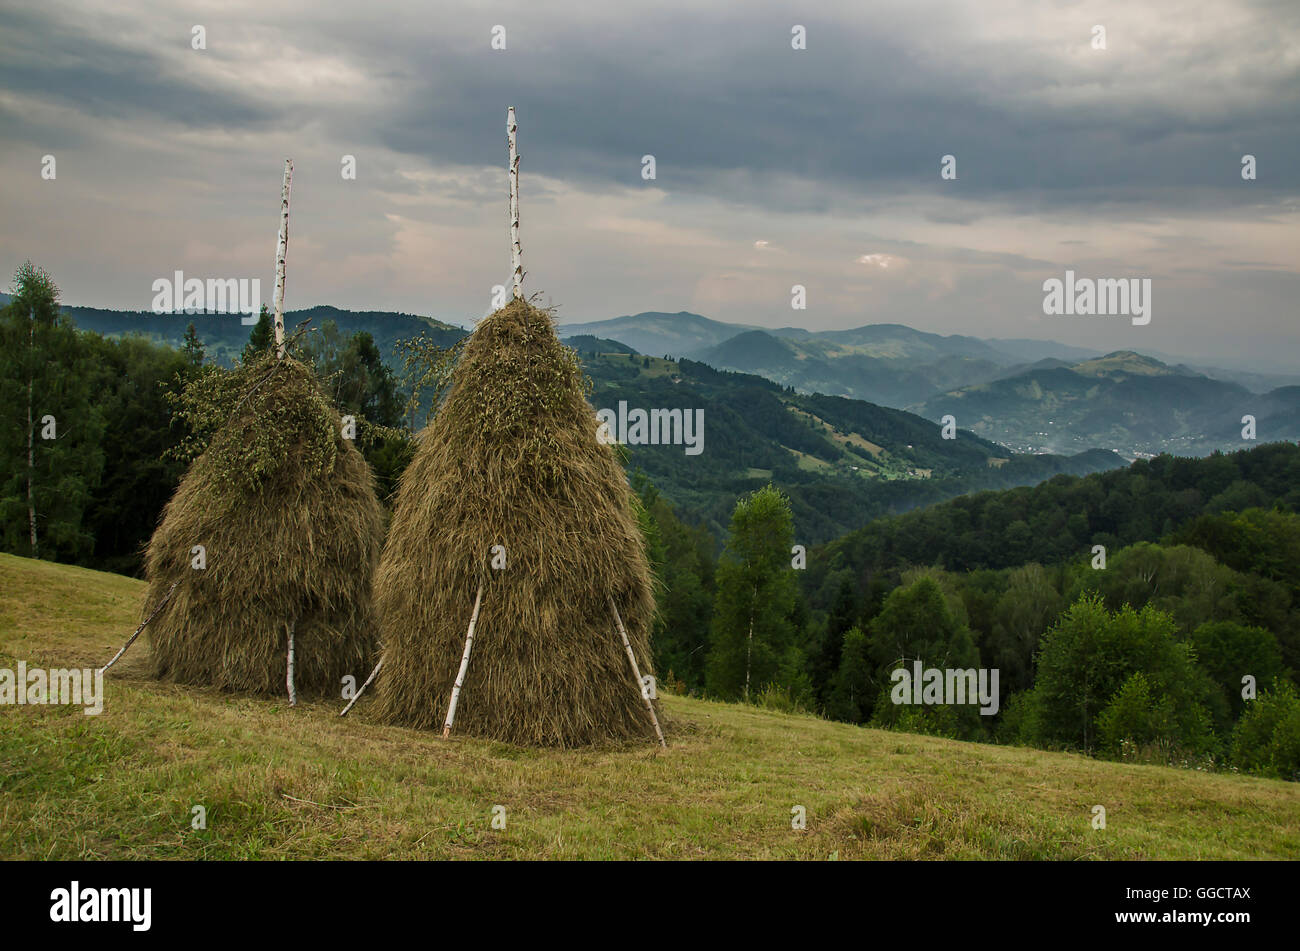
(752, 629)
(51, 447)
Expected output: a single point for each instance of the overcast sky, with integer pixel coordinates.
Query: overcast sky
(774, 166)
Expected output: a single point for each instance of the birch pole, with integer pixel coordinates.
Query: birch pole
(636, 671)
(31, 430)
(288, 678)
(749, 644)
(464, 664)
(516, 253)
(357, 695)
(131, 640)
(281, 249)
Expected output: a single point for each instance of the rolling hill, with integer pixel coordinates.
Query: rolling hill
(1123, 400)
(888, 364)
(841, 461)
(224, 335)
(294, 783)
(659, 334)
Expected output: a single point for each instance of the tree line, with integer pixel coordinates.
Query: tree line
(1177, 643)
(95, 437)
(1143, 657)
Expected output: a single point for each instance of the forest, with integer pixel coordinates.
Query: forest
(1149, 613)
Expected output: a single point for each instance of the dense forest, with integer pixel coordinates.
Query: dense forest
(1149, 613)
(841, 462)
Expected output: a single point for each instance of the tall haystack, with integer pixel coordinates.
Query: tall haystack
(290, 530)
(512, 459)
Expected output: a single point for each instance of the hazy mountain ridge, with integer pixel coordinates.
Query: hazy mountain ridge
(224, 335)
(841, 461)
(1126, 401)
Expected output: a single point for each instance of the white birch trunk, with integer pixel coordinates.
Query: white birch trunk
(293, 695)
(357, 696)
(31, 437)
(131, 640)
(516, 253)
(281, 249)
(636, 671)
(749, 644)
(464, 665)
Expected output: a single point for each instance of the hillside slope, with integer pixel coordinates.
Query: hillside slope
(883, 363)
(224, 335)
(301, 783)
(841, 461)
(1125, 401)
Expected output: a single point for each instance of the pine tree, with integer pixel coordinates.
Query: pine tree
(262, 336)
(193, 347)
(853, 690)
(681, 559)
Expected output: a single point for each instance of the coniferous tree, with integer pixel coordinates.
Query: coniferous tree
(681, 558)
(193, 347)
(262, 336)
(853, 688)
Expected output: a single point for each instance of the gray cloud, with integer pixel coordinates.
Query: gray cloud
(1126, 158)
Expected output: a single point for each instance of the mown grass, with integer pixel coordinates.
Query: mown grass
(281, 783)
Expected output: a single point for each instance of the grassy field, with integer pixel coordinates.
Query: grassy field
(301, 783)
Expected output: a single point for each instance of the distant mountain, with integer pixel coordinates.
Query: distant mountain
(224, 335)
(885, 363)
(1064, 400)
(586, 343)
(1034, 350)
(897, 341)
(659, 334)
(889, 364)
(841, 461)
(1132, 403)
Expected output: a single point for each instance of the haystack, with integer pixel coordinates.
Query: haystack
(512, 459)
(286, 514)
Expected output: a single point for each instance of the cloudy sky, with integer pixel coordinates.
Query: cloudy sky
(774, 166)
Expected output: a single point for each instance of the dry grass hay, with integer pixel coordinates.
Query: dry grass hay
(286, 511)
(512, 459)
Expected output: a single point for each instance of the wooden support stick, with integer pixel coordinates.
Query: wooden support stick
(363, 688)
(464, 664)
(516, 253)
(131, 640)
(636, 671)
(293, 696)
(281, 249)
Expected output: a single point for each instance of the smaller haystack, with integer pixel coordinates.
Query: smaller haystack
(285, 510)
(512, 459)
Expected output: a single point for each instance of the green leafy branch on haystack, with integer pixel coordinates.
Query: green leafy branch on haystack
(510, 466)
(259, 571)
(255, 419)
(426, 372)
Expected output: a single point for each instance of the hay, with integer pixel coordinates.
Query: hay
(512, 459)
(286, 510)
